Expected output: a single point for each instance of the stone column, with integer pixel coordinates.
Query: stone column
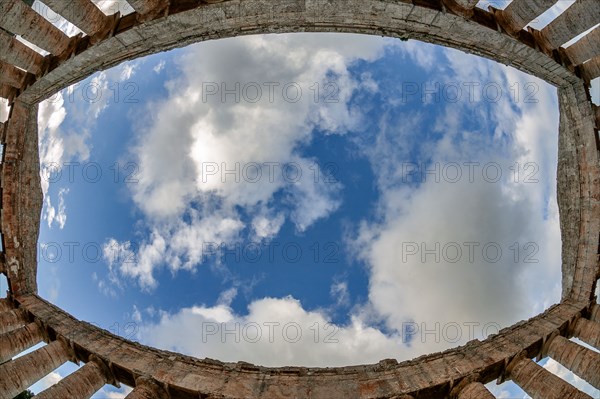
(21, 373)
(595, 313)
(580, 360)
(12, 319)
(149, 8)
(5, 305)
(82, 13)
(18, 18)
(145, 388)
(16, 53)
(519, 13)
(588, 331)
(591, 69)
(15, 77)
(585, 48)
(578, 18)
(539, 383)
(15, 342)
(474, 390)
(82, 384)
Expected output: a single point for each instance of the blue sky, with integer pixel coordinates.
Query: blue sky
(351, 194)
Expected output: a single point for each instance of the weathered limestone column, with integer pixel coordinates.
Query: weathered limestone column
(467, 3)
(5, 305)
(18, 18)
(539, 383)
(585, 48)
(82, 384)
(519, 13)
(580, 360)
(578, 18)
(82, 13)
(16, 341)
(588, 331)
(145, 388)
(474, 390)
(591, 69)
(11, 75)
(21, 373)
(16, 53)
(149, 8)
(12, 319)
(595, 314)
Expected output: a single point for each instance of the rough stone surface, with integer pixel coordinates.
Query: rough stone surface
(588, 331)
(16, 341)
(579, 17)
(16, 53)
(475, 390)
(82, 13)
(82, 384)
(519, 13)
(21, 198)
(580, 360)
(12, 319)
(430, 376)
(21, 373)
(539, 383)
(585, 48)
(18, 18)
(146, 388)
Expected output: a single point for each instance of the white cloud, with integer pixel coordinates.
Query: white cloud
(192, 139)
(266, 226)
(406, 287)
(4, 110)
(56, 216)
(275, 332)
(160, 66)
(437, 296)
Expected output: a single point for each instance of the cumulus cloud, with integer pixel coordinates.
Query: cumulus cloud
(59, 145)
(53, 215)
(408, 295)
(428, 255)
(228, 138)
(275, 332)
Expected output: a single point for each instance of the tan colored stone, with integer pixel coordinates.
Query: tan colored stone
(580, 360)
(16, 53)
(539, 383)
(82, 13)
(18, 18)
(585, 48)
(14, 342)
(579, 17)
(21, 373)
(12, 319)
(519, 13)
(146, 388)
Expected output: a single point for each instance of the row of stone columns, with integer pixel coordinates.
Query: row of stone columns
(579, 17)
(17, 334)
(539, 383)
(21, 373)
(18, 18)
